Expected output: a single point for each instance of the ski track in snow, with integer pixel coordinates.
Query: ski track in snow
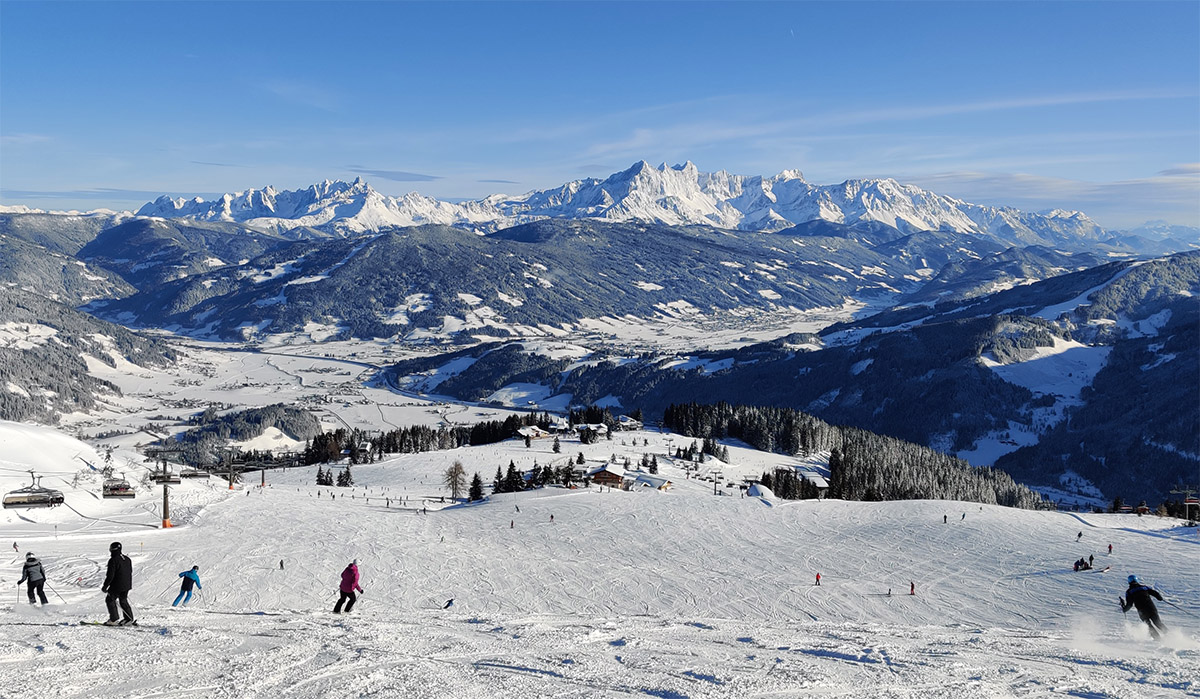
(677, 594)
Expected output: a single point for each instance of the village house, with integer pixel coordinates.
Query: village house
(625, 422)
(607, 474)
(635, 481)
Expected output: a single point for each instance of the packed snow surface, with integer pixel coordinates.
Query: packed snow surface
(675, 593)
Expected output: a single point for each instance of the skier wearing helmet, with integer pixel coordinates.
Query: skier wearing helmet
(1138, 595)
(36, 576)
(118, 581)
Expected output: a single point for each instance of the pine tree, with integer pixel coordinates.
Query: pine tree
(512, 479)
(580, 460)
(476, 492)
(557, 446)
(498, 482)
(654, 465)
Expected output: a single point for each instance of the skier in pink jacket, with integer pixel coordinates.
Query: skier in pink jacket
(347, 588)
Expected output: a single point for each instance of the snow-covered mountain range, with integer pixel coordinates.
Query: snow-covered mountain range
(675, 195)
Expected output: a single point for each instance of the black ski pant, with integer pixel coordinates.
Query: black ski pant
(337, 609)
(1157, 628)
(112, 599)
(36, 587)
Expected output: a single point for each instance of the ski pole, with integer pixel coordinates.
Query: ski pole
(55, 592)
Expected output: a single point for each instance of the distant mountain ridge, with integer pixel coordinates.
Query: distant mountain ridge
(672, 195)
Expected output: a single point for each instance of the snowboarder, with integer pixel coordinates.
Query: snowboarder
(118, 581)
(190, 577)
(36, 576)
(1138, 595)
(347, 588)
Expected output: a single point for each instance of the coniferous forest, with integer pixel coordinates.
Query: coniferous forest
(863, 465)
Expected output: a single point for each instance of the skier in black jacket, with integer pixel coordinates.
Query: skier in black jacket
(117, 583)
(1138, 595)
(36, 576)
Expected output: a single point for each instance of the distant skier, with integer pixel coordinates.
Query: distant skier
(118, 581)
(1091, 561)
(1110, 549)
(190, 577)
(449, 603)
(818, 584)
(1138, 595)
(36, 576)
(281, 564)
(15, 547)
(551, 519)
(347, 588)
(944, 520)
(1078, 536)
(963, 517)
(912, 588)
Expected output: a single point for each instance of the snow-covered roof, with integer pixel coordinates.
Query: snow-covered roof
(611, 468)
(650, 480)
(815, 478)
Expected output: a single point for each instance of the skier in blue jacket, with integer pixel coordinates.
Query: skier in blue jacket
(190, 577)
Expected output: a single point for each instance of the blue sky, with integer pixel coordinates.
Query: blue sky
(1090, 106)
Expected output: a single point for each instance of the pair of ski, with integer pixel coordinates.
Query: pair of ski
(113, 626)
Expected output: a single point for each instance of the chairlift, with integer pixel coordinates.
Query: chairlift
(33, 495)
(168, 476)
(118, 488)
(188, 472)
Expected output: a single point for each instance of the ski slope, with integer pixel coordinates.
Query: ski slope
(663, 594)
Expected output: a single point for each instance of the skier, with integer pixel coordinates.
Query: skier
(818, 580)
(1078, 536)
(347, 588)
(1091, 561)
(912, 588)
(1138, 595)
(943, 519)
(190, 577)
(17, 550)
(118, 581)
(963, 517)
(36, 576)
(1110, 549)
(281, 564)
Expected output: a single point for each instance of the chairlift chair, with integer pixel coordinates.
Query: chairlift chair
(33, 495)
(118, 488)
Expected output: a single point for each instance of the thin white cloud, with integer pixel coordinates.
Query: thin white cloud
(305, 94)
(24, 139)
(1120, 204)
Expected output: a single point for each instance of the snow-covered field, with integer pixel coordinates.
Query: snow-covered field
(662, 594)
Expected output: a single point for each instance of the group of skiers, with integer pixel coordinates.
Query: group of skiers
(118, 581)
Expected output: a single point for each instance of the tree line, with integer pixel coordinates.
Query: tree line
(862, 465)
